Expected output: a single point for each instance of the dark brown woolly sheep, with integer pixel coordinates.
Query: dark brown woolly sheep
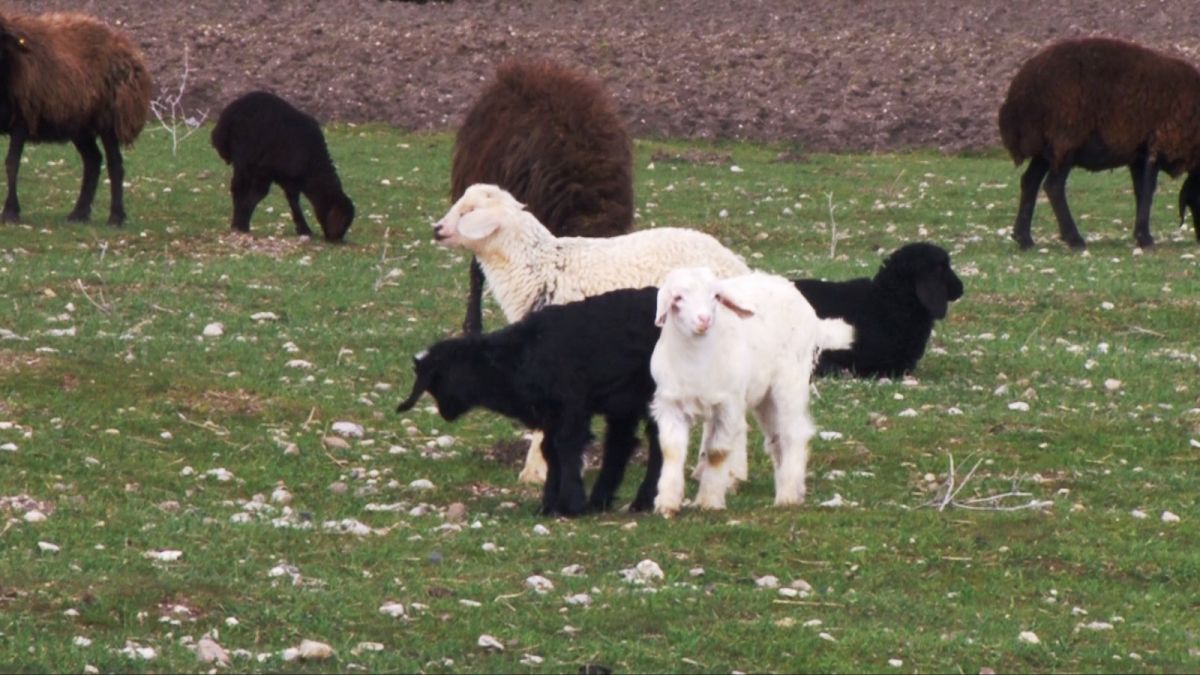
(1101, 103)
(267, 141)
(552, 138)
(69, 77)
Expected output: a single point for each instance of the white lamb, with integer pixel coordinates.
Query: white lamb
(728, 345)
(528, 268)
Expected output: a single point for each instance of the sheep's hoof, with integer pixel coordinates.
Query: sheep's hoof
(1147, 242)
(1025, 242)
(116, 221)
(1077, 244)
(78, 217)
(11, 218)
(666, 510)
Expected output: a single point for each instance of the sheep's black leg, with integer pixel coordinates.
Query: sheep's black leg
(116, 179)
(619, 441)
(90, 152)
(1056, 190)
(1031, 182)
(1144, 171)
(247, 191)
(550, 488)
(12, 164)
(473, 324)
(649, 488)
(293, 199)
(567, 439)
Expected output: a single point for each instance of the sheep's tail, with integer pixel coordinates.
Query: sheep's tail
(834, 334)
(131, 94)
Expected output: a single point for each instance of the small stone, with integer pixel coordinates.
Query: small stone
(348, 429)
(582, 599)
(1112, 384)
(81, 641)
(490, 643)
(392, 609)
(47, 547)
(364, 647)
(314, 651)
(575, 570)
(335, 443)
(166, 555)
(208, 651)
(895, 663)
(1029, 637)
(1168, 517)
(215, 329)
(539, 584)
(338, 487)
(456, 513)
(541, 530)
(768, 581)
(34, 516)
(1139, 514)
(291, 450)
(421, 484)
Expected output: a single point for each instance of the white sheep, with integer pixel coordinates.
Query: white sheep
(727, 345)
(528, 268)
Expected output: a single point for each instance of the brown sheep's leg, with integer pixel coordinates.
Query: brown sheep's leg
(293, 199)
(247, 192)
(12, 164)
(90, 153)
(1031, 182)
(1145, 179)
(473, 324)
(1056, 190)
(116, 179)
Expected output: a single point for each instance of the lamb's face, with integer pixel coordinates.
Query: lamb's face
(477, 215)
(337, 220)
(441, 372)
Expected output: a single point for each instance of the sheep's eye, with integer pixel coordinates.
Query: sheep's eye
(467, 209)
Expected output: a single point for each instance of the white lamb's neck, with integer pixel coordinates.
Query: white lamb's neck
(514, 260)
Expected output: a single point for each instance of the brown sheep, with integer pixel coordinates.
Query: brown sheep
(1100, 103)
(552, 138)
(69, 77)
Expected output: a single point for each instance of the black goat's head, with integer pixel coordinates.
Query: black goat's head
(927, 268)
(336, 219)
(440, 371)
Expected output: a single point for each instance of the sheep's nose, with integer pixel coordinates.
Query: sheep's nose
(703, 322)
(437, 230)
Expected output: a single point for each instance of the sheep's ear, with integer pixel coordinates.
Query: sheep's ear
(479, 224)
(420, 384)
(665, 300)
(931, 291)
(743, 309)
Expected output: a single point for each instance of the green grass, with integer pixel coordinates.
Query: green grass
(117, 426)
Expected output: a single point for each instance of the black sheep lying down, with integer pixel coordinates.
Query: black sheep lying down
(892, 314)
(269, 141)
(553, 370)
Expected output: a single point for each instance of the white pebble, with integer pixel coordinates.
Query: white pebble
(363, 647)
(81, 641)
(1139, 514)
(392, 609)
(1029, 637)
(348, 429)
(895, 663)
(208, 651)
(768, 581)
(1112, 384)
(34, 516)
(299, 363)
(444, 441)
(165, 555)
(313, 650)
(573, 571)
(1019, 405)
(539, 583)
(833, 502)
(830, 435)
(215, 329)
(264, 316)
(9, 447)
(47, 547)
(1096, 625)
(1168, 517)
(488, 642)
(541, 530)
(421, 484)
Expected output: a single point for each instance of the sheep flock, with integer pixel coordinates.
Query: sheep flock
(653, 329)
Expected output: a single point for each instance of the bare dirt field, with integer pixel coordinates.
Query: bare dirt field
(836, 75)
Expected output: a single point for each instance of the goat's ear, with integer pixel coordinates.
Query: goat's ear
(931, 291)
(740, 306)
(479, 224)
(666, 298)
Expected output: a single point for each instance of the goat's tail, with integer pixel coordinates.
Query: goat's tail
(834, 334)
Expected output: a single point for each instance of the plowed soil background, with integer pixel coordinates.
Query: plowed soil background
(833, 75)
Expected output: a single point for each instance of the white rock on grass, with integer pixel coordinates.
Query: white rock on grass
(264, 316)
(392, 609)
(581, 599)
(81, 641)
(1168, 517)
(214, 329)
(164, 555)
(312, 650)
(1029, 637)
(834, 502)
(34, 516)
(541, 530)
(1019, 406)
(208, 651)
(47, 547)
(768, 581)
(299, 363)
(644, 572)
(1096, 626)
(573, 571)
(539, 584)
(1139, 514)
(364, 647)
(486, 641)
(421, 484)
(348, 429)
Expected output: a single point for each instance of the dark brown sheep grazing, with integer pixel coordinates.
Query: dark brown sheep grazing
(267, 140)
(69, 77)
(1100, 103)
(552, 138)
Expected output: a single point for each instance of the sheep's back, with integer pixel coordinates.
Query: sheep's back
(552, 138)
(260, 129)
(78, 72)
(1077, 93)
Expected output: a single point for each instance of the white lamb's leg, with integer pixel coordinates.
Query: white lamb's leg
(673, 437)
(725, 431)
(791, 460)
(534, 471)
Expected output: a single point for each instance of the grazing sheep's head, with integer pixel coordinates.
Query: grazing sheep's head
(443, 373)
(1189, 198)
(925, 268)
(476, 215)
(690, 295)
(10, 40)
(335, 221)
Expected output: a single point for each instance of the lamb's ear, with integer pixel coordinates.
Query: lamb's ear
(931, 291)
(666, 298)
(737, 305)
(479, 224)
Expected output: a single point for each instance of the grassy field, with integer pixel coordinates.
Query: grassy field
(157, 454)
